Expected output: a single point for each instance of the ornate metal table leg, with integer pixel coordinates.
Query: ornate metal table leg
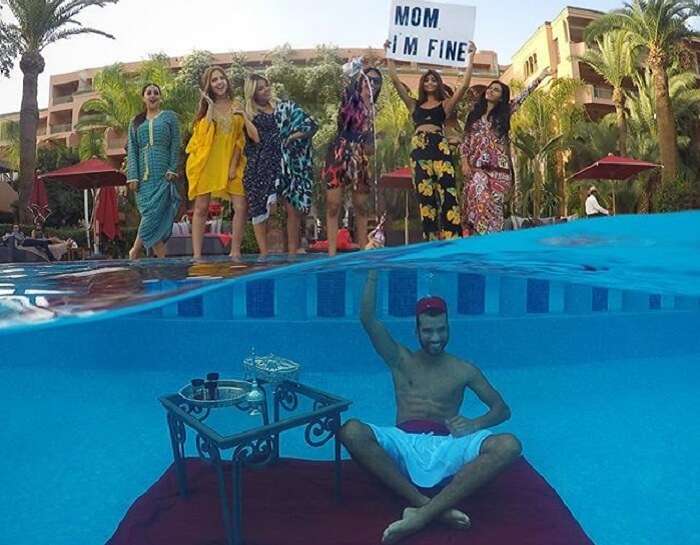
(177, 441)
(210, 452)
(338, 462)
(237, 503)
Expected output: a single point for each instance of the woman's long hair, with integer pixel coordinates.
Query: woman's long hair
(141, 117)
(499, 116)
(249, 89)
(205, 85)
(439, 93)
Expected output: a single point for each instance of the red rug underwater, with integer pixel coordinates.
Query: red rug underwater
(292, 503)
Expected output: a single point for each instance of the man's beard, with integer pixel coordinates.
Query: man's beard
(433, 350)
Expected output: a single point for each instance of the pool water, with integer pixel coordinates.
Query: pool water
(588, 331)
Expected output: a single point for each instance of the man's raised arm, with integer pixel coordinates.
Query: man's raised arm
(386, 347)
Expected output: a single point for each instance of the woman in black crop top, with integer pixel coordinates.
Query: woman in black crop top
(431, 160)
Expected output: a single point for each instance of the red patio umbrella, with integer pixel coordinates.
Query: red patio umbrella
(614, 167)
(91, 174)
(39, 201)
(106, 215)
(401, 178)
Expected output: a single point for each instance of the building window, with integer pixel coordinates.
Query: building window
(534, 63)
(557, 58)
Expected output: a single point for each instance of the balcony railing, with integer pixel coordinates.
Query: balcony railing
(62, 100)
(61, 127)
(594, 94)
(604, 93)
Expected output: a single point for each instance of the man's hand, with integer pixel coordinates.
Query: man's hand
(460, 426)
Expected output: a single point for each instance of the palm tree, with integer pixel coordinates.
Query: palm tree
(120, 95)
(613, 59)
(8, 49)
(92, 144)
(656, 28)
(40, 23)
(9, 134)
(547, 121)
(645, 142)
(117, 103)
(538, 155)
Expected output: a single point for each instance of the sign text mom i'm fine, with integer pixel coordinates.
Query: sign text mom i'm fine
(430, 32)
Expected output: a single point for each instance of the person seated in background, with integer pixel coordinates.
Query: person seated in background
(53, 248)
(16, 233)
(593, 208)
(431, 444)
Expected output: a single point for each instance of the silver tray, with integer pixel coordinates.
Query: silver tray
(230, 392)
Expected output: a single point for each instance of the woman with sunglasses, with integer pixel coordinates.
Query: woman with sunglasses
(347, 162)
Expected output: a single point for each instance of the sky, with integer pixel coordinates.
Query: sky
(176, 27)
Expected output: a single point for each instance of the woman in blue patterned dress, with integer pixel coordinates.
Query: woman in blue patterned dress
(295, 183)
(153, 152)
(264, 165)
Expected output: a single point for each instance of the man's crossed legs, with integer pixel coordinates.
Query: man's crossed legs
(496, 452)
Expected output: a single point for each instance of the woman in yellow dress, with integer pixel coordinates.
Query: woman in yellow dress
(216, 161)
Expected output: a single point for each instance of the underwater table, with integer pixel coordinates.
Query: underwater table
(256, 446)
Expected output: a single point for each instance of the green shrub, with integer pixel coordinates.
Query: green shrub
(677, 195)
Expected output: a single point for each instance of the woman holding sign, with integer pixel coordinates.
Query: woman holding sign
(433, 172)
(486, 164)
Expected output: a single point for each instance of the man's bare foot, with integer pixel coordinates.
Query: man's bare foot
(411, 522)
(453, 518)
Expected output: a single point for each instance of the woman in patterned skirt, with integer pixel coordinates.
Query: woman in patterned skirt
(295, 183)
(431, 158)
(280, 163)
(264, 165)
(486, 164)
(153, 151)
(347, 161)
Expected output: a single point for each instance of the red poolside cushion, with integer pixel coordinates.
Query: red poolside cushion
(292, 503)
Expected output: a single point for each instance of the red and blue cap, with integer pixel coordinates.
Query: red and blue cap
(428, 304)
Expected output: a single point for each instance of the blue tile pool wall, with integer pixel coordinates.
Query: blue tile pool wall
(337, 294)
(403, 293)
(471, 294)
(537, 296)
(260, 298)
(600, 300)
(331, 294)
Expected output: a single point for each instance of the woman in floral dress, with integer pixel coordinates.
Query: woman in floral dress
(486, 164)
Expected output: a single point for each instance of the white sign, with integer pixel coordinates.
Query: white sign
(430, 32)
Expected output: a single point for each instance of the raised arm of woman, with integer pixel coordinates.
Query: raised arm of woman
(398, 84)
(451, 103)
